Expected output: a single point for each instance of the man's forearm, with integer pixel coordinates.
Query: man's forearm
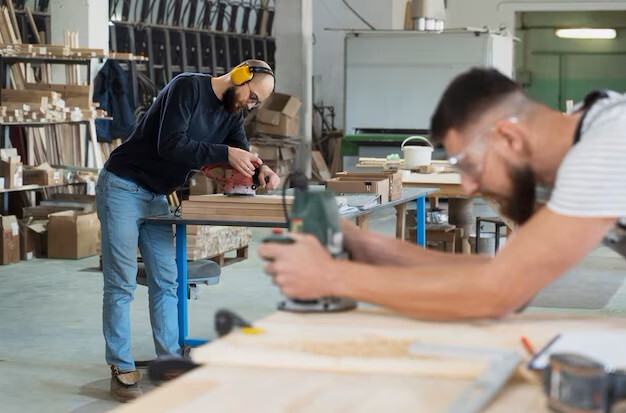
(374, 248)
(434, 292)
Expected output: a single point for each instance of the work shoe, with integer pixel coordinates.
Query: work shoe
(125, 385)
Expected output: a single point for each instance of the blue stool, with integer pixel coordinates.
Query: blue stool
(198, 272)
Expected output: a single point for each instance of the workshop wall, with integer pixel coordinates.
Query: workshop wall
(328, 47)
(554, 70)
(497, 13)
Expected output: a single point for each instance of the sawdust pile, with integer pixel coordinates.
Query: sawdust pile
(364, 347)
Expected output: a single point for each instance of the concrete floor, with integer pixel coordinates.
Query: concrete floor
(51, 346)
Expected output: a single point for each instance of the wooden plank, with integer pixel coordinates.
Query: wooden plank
(320, 164)
(232, 218)
(288, 337)
(33, 26)
(258, 199)
(234, 213)
(285, 390)
(94, 144)
(219, 206)
(16, 29)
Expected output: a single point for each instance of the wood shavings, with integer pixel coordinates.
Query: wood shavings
(373, 346)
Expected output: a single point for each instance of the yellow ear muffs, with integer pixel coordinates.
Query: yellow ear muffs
(241, 74)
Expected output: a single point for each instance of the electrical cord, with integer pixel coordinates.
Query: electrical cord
(179, 191)
(284, 196)
(358, 15)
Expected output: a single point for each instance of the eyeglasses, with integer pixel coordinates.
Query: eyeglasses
(253, 98)
(462, 160)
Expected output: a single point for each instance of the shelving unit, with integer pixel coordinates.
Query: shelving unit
(39, 187)
(5, 64)
(90, 136)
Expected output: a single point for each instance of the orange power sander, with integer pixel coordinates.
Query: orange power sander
(235, 183)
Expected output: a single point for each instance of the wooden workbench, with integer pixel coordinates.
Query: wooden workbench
(449, 183)
(345, 362)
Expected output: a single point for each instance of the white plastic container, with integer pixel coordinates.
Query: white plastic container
(416, 156)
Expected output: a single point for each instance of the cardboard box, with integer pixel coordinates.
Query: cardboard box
(377, 186)
(43, 174)
(33, 239)
(200, 184)
(395, 180)
(278, 115)
(10, 248)
(73, 234)
(85, 203)
(13, 173)
(41, 212)
(273, 153)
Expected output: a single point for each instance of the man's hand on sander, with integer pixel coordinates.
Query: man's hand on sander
(268, 178)
(243, 161)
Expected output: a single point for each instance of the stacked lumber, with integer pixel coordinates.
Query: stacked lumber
(213, 242)
(34, 99)
(217, 206)
(64, 51)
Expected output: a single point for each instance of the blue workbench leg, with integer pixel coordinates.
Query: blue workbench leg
(181, 265)
(420, 221)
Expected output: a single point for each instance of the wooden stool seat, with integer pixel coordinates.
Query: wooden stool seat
(445, 233)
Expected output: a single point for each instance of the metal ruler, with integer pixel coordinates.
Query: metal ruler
(500, 365)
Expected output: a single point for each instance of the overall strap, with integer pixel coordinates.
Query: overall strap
(590, 99)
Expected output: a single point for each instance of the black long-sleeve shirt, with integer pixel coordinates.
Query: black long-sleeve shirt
(186, 128)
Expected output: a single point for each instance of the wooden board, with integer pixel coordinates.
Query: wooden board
(217, 206)
(227, 206)
(293, 388)
(320, 166)
(301, 344)
(244, 390)
(257, 199)
(240, 217)
(248, 213)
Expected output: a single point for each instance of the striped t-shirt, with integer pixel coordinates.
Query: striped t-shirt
(591, 180)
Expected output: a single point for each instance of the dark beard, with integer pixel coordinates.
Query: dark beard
(521, 204)
(229, 99)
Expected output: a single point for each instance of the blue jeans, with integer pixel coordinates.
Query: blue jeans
(122, 207)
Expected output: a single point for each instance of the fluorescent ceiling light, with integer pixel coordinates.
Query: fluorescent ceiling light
(586, 33)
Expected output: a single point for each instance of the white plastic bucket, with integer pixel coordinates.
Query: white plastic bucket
(416, 156)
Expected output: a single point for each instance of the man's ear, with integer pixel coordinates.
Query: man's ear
(513, 133)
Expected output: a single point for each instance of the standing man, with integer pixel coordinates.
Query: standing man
(195, 120)
(505, 144)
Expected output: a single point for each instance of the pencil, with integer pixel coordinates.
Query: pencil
(527, 345)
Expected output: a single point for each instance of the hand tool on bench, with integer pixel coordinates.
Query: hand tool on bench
(578, 384)
(169, 368)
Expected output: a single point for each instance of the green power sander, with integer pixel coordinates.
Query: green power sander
(315, 213)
